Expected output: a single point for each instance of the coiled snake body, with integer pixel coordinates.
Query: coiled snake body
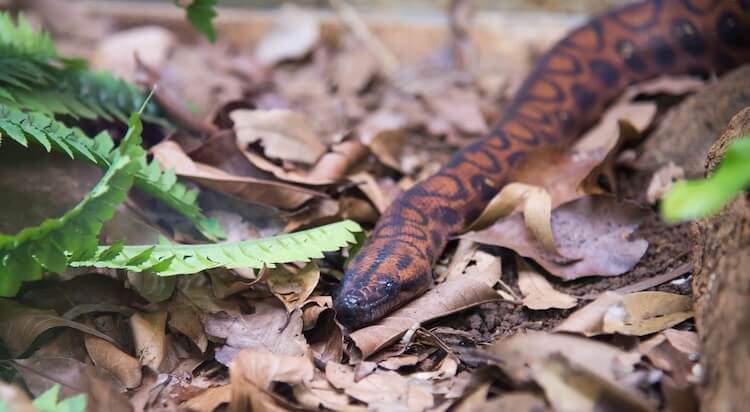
(566, 93)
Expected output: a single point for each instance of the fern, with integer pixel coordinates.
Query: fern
(167, 260)
(34, 77)
(53, 135)
(72, 237)
(200, 14)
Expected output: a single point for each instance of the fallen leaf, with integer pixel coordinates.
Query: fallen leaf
(538, 293)
(107, 356)
(572, 388)
(271, 328)
(115, 53)
(294, 34)
(252, 372)
(320, 393)
(250, 189)
(284, 134)
(594, 229)
(293, 287)
(353, 68)
(149, 336)
(643, 313)
(589, 320)
(186, 318)
(210, 399)
(382, 389)
(459, 107)
(103, 392)
(20, 325)
(662, 181)
(450, 297)
(323, 333)
(14, 399)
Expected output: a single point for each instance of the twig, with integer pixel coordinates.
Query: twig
(348, 14)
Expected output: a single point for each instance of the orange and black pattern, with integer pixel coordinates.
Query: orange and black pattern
(565, 93)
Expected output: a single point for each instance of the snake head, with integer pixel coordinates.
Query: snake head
(372, 289)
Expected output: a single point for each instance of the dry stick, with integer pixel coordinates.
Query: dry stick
(348, 14)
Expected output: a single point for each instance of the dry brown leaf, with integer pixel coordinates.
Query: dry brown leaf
(589, 320)
(667, 356)
(252, 372)
(521, 352)
(573, 388)
(594, 229)
(116, 53)
(149, 336)
(103, 392)
(293, 288)
(662, 181)
(684, 341)
(450, 297)
(270, 328)
(294, 34)
(107, 356)
(323, 333)
(389, 146)
(381, 389)
(210, 399)
(284, 134)
(250, 189)
(538, 293)
(320, 393)
(14, 399)
(353, 68)
(644, 313)
(186, 318)
(20, 325)
(460, 108)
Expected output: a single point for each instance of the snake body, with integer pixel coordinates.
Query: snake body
(565, 93)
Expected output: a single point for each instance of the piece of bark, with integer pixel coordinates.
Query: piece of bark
(721, 285)
(686, 133)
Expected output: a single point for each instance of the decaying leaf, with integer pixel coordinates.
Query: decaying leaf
(210, 399)
(294, 34)
(538, 293)
(643, 313)
(589, 320)
(20, 325)
(186, 318)
(284, 134)
(107, 356)
(252, 372)
(270, 328)
(594, 229)
(149, 335)
(450, 297)
(293, 287)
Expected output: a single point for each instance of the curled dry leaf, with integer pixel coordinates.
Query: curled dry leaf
(644, 313)
(538, 293)
(20, 325)
(252, 372)
(149, 336)
(107, 356)
(293, 36)
(589, 320)
(284, 134)
(210, 399)
(250, 189)
(323, 333)
(271, 328)
(293, 287)
(594, 229)
(116, 53)
(450, 297)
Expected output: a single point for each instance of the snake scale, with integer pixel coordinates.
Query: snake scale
(565, 93)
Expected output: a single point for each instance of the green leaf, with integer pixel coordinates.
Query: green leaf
(168, 260)
(50, 246)
(695, 199)
(200, 14)
(47, 402)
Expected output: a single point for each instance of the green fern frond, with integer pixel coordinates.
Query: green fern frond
(72, 237)
(24, 127)
(34, 77)
(167, 260)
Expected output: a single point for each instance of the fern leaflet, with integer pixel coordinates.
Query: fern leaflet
(167, 260)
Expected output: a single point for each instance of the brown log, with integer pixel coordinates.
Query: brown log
(721, 286)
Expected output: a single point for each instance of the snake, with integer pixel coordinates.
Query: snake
(565, 93)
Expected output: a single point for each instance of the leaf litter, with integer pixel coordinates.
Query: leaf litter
(309, 124)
